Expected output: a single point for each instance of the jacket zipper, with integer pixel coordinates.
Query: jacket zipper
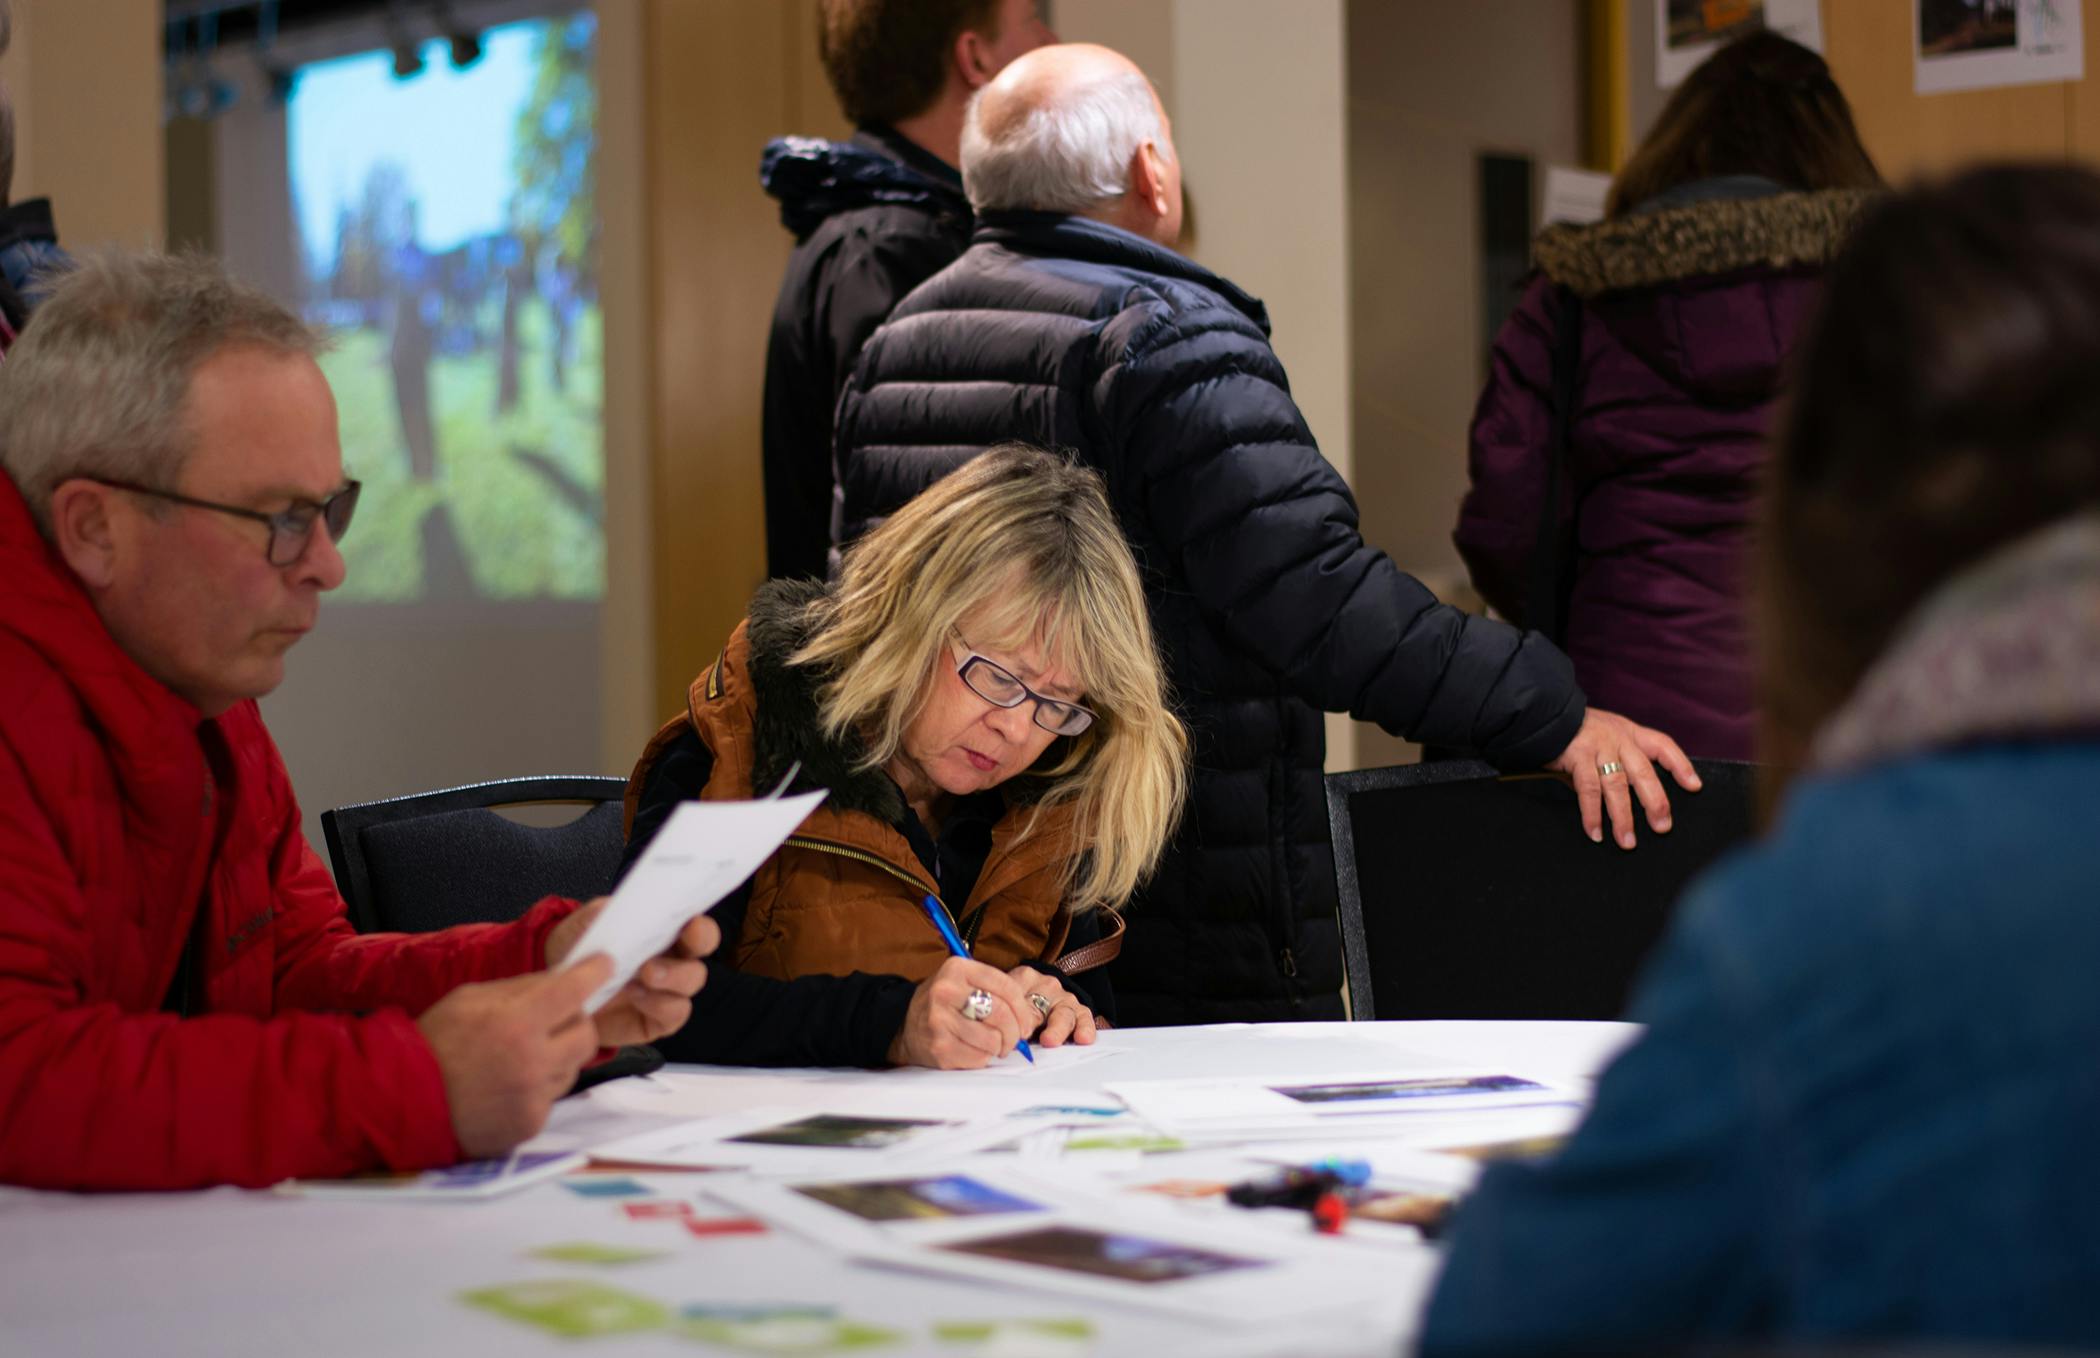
(967, 931)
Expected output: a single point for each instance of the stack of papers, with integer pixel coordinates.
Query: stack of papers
(1213, 1110)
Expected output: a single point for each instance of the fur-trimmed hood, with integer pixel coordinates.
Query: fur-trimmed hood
(1700, 240)
(788, 728)
(1709, 294)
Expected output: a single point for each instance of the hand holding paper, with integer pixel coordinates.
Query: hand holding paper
(702, 853)
(659, 998)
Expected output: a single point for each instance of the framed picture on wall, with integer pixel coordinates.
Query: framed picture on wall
(1688, 31)
(1981, 44)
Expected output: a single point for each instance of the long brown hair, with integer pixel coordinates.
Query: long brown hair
(1944, 406)
(1763, 105)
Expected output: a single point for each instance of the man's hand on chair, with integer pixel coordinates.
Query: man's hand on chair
(1611, 761)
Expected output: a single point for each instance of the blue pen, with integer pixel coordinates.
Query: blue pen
(939, 915)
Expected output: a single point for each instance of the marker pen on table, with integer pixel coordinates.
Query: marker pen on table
(939, 915)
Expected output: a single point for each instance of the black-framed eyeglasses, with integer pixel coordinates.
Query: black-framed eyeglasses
(998, 686)
(291, 528)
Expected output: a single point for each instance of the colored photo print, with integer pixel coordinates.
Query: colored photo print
(846, 1133)
(1387, 1091)
(949, 1195)
(1131, 1258)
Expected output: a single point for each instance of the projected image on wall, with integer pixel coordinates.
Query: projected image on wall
(449, 239)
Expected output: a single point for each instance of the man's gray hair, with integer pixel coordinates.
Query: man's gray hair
(1071, 156)
(98, 384)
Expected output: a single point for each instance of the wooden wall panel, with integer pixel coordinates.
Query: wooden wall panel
(2084, 96)
(723, 77)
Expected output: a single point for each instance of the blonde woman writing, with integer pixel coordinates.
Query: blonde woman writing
(980, 696)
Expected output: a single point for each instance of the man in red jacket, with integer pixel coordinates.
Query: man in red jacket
(181, 1000)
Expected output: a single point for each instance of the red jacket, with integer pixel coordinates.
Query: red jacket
(302, 1056)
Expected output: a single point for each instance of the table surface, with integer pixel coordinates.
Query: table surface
(228, 1273)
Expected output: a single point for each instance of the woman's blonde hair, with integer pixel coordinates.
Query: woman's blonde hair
(1026, 541)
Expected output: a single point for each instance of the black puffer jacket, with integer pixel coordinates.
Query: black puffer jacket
(1269, 605)
(873, 218)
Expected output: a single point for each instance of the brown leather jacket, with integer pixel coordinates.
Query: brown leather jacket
(845, 892)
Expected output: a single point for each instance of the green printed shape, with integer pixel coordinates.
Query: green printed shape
(571, 1308)
(1127, 1141)
(984, 1331)
(789, 1332)
(584, 1252)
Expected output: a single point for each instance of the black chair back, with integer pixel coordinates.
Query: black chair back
(1465, 894)
(436, 859)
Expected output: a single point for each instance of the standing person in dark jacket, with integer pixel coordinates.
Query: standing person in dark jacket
(1071, 322)
(873, 218)
(28, 238)
(1686, 302)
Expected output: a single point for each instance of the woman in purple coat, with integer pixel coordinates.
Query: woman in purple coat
(1663, 331)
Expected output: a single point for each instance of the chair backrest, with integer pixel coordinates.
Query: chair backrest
(1465, 894)
(436, 859)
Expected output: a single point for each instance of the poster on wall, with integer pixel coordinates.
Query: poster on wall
(1688, 31)
(1980, 44)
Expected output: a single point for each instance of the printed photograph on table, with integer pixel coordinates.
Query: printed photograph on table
(1387, 1091)
(840, 1133)
(948, 1195)
(1105, 1254)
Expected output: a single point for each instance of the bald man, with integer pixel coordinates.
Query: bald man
(1072, 322)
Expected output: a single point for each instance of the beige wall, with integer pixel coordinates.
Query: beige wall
(1425, 100)
(86, 83)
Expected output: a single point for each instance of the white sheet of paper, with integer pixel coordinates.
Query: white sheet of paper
(1250, 1109)
(702, 853)
(1574, 196)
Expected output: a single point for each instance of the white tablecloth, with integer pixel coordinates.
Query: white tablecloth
(227, 1273)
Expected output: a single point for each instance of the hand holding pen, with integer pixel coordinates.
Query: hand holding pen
(979, 1005)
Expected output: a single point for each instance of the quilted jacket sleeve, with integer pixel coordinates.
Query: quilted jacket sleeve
(1498, 524)
(1265, 533)
(93, 1095)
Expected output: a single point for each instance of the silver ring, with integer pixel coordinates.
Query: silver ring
(977, 1006)
(1607, 770)
(1043, 1004)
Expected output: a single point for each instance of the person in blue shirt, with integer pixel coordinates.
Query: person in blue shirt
(1863, 1107)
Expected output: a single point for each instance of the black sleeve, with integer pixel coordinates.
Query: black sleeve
(1265, 532)
(1090, 987)
(854, 286)
(744, 1020)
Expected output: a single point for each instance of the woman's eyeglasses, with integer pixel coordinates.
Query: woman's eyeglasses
(290, 529)
(998, 686)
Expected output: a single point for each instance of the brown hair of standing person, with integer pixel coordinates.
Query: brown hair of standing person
(887, 59)
(1944, 408)
(1763, 105)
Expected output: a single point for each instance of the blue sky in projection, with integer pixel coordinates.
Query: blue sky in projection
(449, 131)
